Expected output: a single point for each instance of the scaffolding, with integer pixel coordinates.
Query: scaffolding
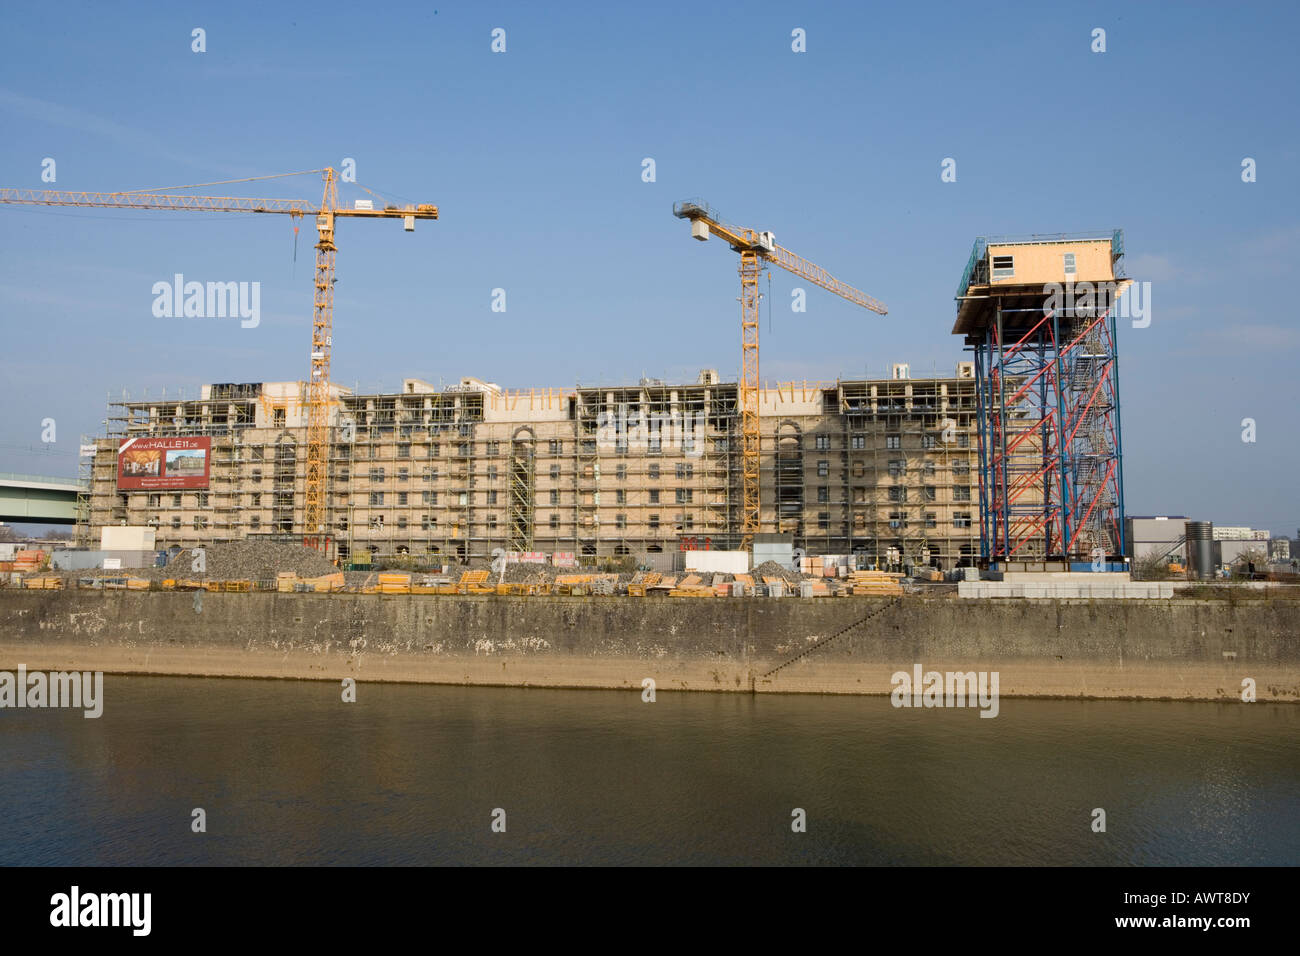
(455, 473)
(789, 483)
(629, 440)
(523, 489)
(904, 484)
(85, 478)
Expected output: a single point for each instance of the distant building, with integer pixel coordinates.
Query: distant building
(1232, 550)
(1155, 536)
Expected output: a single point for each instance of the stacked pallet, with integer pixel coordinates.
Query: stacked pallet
(585, 584)
(693, 590)
(637, 586)
(394, 582)
(664, 585)
(571, 583)
(875, 584)
(475, 582)
(522, 587)
(284, 580)
(46, 582)
(692, 586)
(328, 582)
(27, 561)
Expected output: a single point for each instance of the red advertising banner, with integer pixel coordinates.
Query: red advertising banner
(162, 464)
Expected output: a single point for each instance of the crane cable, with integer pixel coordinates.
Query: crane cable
(385, 197)
(220, 182)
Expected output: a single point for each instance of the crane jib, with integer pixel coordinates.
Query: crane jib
(315, 518)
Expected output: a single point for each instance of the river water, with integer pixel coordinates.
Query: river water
(287, 773)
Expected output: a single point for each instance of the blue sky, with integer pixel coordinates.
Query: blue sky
(534, 157)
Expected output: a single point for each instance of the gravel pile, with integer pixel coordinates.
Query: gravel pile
(535, 573)
(249, 560)
(770, 569)
(230, 561)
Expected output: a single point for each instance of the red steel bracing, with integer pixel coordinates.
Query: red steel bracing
(1031, 425)
(1049, 417)
(1023, 530)
(1024, 388)
(1020, 343)
(1026, 536)
(1110, 470)
(1046, 367)
(1024, 482)
(1092, 397)
(1000, 490)
(1082, 414)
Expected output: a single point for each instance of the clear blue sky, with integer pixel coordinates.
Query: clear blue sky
(534, 158)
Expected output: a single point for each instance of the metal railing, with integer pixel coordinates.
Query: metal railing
(976, 254)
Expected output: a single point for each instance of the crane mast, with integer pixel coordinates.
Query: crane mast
(758, 249)
(318, 386)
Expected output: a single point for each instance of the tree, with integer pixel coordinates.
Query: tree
(1252, 563)
(1153, 567)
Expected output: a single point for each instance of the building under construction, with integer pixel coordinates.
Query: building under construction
(881, 468)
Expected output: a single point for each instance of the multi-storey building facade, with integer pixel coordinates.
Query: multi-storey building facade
(854, 466)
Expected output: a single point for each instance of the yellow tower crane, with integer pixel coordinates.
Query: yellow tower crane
(757, 249)
(318, 382)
